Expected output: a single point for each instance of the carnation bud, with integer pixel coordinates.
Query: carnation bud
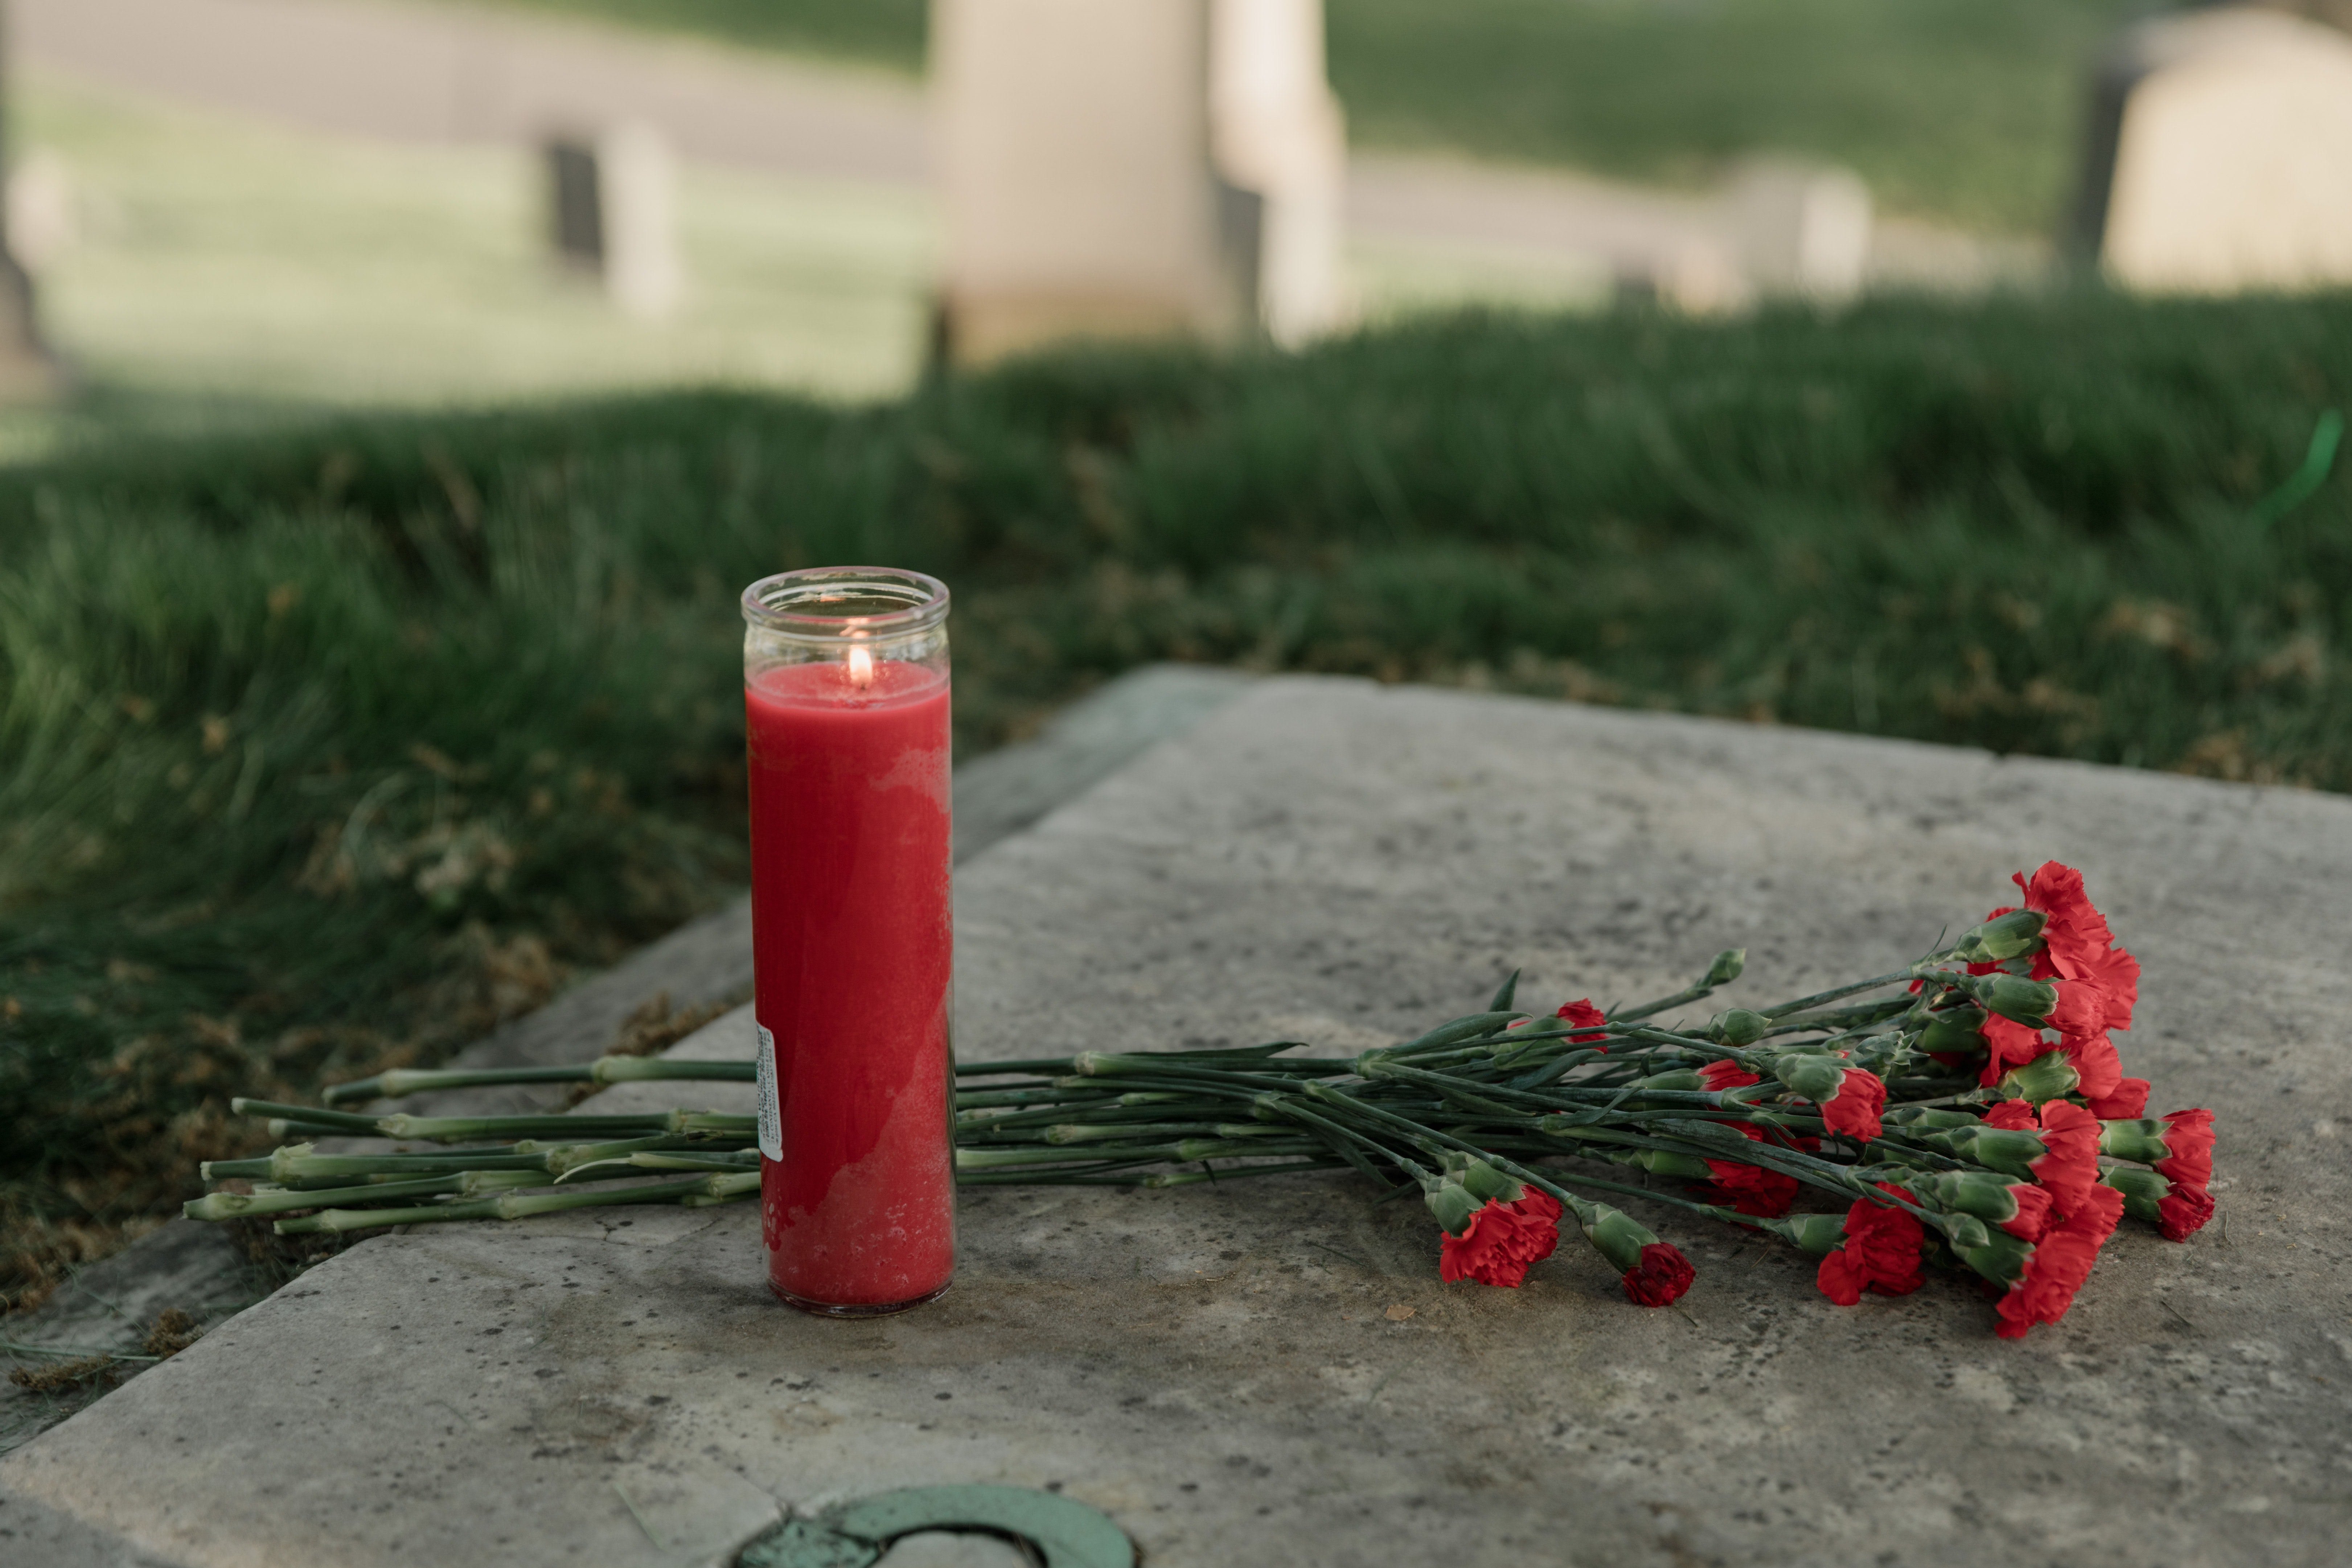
(2009, 1150)
(2142, 1190)
(1818, 1234)
(1924, 1118)
(1737, 1027)
(2177, 1209)
(2047, 1076)
(1953, 1031)
(1452, 1204)
(1727, 967)
(1817, 1077)
(2142, 1140)
(1999, 1256)
(2012, 935)
(1978, 1192)
(1963, 1230)
(1482, 1181)
(1679, 1078)
(1618, 1237)
(2014, 997)
(1668, 1163)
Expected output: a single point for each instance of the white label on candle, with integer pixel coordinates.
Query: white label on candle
(771, 1111)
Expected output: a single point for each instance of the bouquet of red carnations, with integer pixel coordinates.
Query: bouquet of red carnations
(1972, 1114)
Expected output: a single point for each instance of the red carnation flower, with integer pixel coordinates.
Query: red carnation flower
(2078, 1009)
(2070, 1169)
(2011, 1045)
(2188, 1135)
(2077, 943)
(1583, 1011)
(2031, 1219)
(1723, 1073)
(1853, 1108)
(1880, 1254)
(1752, 1189)
(2127, 1103)
(2183, 1213)
(2093, 1059)
(1502, 1239)
(2011, 1115)
(1659, 1278)
(2060, 1262)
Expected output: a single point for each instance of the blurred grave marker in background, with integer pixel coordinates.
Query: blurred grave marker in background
(1153, 168)
(1801, 229)
(1276, 133)
(613, 211)
(2220, 155)
(26, 368)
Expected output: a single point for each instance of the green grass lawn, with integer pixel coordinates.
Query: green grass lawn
(324, 749)
(1964, 111)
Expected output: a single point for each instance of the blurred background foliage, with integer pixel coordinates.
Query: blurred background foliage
(329, 745)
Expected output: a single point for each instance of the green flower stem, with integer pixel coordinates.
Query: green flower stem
(1346, 1139)
(400, 1082)
(1209, 1082)
(1153, 1179)
(235, 1205)
(517, 1204)
(1098, 1110)
(1454, 1032)
(971, 1158)
(737, 1161)
(1079, 1133)
(1803, 1004)
(1709, 1211)
(989, 1098)
(1035, 1066)
(1843, 1019)
(1172, 1064)
(70, 1352)
(336, 1121)
(1682, 998)
(455, 1128)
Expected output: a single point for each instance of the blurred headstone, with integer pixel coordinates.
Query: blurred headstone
(1801, 229)
(2219, 155)
(27, 369)
(614, 214)
(1074, 140)
(1143, 169)
(1276, 131)
(43, 219)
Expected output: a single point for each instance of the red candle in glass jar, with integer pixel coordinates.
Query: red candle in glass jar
(845, 706)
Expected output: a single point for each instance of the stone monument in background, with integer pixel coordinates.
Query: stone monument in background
(1800, 230)
(27, 369)
(1148, 168)
(2220, 155)
(614, 216)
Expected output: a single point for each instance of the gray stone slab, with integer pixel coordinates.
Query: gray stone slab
(1216, 1368)
(110, 1305)
(705, 963)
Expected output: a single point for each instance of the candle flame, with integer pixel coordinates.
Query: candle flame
(861, 665)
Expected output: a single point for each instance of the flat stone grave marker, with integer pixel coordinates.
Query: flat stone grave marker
(1271, 1372)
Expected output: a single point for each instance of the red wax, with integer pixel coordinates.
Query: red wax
(852, 948)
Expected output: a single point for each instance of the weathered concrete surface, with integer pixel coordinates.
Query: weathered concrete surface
(705, 963)
(1216, 1367)
(109, 1305)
